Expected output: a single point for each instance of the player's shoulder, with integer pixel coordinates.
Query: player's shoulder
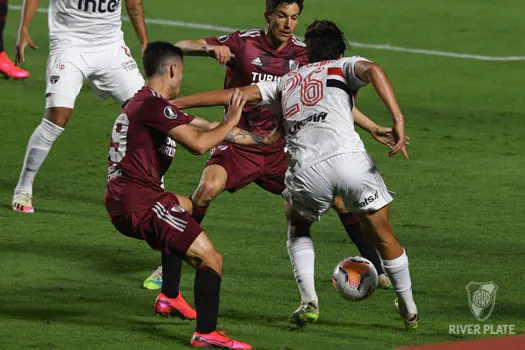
(148, 100)
(249, 34)
(352, 59)
(296, 41)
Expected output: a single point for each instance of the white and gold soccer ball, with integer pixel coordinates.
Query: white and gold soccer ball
(355, 278)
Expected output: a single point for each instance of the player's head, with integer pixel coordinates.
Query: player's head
(324, 41)
(165, 61)
(282, 17)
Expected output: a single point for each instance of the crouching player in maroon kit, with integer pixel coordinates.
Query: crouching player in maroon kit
(141, 149)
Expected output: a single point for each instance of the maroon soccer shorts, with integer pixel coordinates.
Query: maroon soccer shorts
(166, 226)
(266, 169)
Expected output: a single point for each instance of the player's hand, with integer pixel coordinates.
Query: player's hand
(222, 54)
(23, 40)
(385, 136)
(235, 107)
(144, 46)
(400, 140)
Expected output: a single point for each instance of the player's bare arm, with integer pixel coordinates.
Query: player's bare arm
(200, 48)
(217, 97)
(372, 73)
(136, 16)
(237, 135)
(381, 134)
(24, 39)
(198, 141)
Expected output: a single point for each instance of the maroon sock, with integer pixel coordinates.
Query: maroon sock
(199, 212)
(356, 234)
(207, 291)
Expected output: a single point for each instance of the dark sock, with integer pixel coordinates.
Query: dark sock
(171, 271)
(365, 247)
(199, 212)
(207, 290)
(3, 17)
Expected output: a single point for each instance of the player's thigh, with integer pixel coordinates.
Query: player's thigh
(356, 178)
(309, 193)
(273, 173)
(65, 74)
(168, 227)
(117, 75)
(242, 167)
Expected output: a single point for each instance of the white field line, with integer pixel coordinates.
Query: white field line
(386, 47)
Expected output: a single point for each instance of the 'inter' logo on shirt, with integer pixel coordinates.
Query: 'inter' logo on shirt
(100, 6)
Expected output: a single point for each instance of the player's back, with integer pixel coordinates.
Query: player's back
(140, 151)
(89, 24)
(317, 102)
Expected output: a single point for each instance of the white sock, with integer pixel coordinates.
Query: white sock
(397, 270)
(37, 150)
(302, 257)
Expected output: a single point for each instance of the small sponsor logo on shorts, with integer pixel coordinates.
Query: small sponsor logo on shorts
(170, 113)
(178, 209)
(54, 79)
(129, 65)
(366, 201)
(126, 51)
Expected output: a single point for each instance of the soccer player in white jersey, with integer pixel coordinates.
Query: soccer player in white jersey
(86, 43)
(326, 157)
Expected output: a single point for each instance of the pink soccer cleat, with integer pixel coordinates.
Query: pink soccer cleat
(8, 68)
(22, 202)
(169, 307)
(217, 339)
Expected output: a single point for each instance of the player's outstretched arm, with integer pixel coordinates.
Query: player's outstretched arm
(199, 141)
(373, 73)
(237, 135)
(136, 16)
(201, 48)
(23, 40)
(217, 97)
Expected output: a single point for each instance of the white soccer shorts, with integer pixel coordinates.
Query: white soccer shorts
(112, 71)
(354, 176)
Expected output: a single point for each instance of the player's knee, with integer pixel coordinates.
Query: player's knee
(213, 259)
(58, 115)
(208, 190)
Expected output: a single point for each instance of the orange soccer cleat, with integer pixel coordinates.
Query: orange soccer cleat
(169, 307)
(8, 68)
(217, 339)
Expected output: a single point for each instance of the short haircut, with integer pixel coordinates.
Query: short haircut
(271, 5)
(157, 55)
(324, 41)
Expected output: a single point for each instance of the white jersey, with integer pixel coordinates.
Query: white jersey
(317, 101)
(84, 23)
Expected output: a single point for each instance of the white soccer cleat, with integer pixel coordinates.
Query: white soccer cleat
(22, 202)
(411, 320)
(384, 282)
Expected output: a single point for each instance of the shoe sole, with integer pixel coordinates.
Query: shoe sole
(173, 314)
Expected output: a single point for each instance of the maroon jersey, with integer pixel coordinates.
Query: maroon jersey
(140, 152)
(256, 61)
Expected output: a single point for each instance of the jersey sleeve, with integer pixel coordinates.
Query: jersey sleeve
(231, 40)
(270, 93)
(161, 115)
(348, 70)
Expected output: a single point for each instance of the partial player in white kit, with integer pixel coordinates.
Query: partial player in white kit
(326, 158)
(86, 43)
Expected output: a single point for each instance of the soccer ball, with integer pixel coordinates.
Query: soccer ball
(355, 278)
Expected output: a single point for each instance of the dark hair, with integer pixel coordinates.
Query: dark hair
(157, 54)
(324, 41)
(271, 5)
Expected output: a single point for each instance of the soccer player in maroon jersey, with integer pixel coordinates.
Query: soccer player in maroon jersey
(141, 150)
(252, 56)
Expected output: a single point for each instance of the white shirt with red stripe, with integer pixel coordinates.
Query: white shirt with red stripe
(317, 101)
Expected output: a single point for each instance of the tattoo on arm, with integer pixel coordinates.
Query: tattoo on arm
(135, 11)
(243, 137)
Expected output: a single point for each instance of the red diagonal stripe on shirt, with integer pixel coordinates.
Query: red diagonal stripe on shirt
(335, 71)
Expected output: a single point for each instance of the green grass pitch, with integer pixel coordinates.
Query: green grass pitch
(70, 281)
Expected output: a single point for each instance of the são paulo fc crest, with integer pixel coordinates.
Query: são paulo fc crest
(294, 64)
(481, 298)
(170, 113)
(54, 79)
